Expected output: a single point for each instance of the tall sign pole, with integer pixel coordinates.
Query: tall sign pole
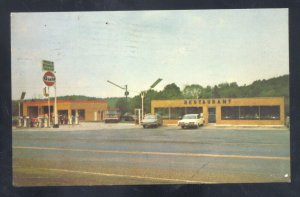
(50, 80)
(49, 114)
(48, 95)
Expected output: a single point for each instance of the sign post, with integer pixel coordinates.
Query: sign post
(50, 80)
(48, 95)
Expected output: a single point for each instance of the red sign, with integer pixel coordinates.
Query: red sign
(49, 78)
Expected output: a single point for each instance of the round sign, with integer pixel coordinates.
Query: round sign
(49, 78)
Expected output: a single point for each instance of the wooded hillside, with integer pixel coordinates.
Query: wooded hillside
(274, 87)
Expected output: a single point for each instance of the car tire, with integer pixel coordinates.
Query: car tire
(144, 126)
(183, 127)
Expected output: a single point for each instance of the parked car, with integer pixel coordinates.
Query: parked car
(191, 120)
(129, 117)
(151, 120)
(112, 116)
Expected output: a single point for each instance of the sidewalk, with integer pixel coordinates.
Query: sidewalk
(246, 126)
(82, 126)
(130, 125)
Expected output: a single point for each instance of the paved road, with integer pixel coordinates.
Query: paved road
(166, 155)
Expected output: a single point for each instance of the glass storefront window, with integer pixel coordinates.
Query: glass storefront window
(163, 112)
(249, 113)
(269, 112)
(227, 113)
(230, 113)
(194, 110)
(177, 113)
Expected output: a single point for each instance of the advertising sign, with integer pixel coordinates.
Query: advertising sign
(49, 78)
(47, 65)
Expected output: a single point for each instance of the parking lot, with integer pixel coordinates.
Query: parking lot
(126, 154)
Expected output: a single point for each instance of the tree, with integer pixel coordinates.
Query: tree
(193, 91)
(135, 103)
(207, 92)
(123, 105)
(228, 90)
(149, 96)
(171, 91)
(215, 92)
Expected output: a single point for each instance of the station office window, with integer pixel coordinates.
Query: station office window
(81, 113)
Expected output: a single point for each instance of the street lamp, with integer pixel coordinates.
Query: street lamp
(124, 88)
(143, 94)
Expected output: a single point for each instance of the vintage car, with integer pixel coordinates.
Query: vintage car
(151, 120)
(112, 116)
(191, 120)
(129, 117)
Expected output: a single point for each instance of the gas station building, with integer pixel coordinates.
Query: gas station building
(86, 110)
(224, 111)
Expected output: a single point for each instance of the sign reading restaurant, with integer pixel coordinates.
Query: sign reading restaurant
(206, 101)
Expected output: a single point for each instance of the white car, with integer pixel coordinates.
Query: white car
(191, 120)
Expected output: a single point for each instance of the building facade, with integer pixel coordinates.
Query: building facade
(227, 111)
(86, 110)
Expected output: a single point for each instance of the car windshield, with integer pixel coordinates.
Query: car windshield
(189, 117)
(150, 117)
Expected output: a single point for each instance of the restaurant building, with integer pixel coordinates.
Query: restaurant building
(86, 110)
(224, 111)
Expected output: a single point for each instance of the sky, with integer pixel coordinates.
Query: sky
(135, 48)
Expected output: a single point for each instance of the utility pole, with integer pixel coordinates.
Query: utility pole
(124, 88)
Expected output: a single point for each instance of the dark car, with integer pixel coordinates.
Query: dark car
(129, 117)
(151, 120)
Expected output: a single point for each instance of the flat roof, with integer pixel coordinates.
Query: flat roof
(45, 102)
(276, 97)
